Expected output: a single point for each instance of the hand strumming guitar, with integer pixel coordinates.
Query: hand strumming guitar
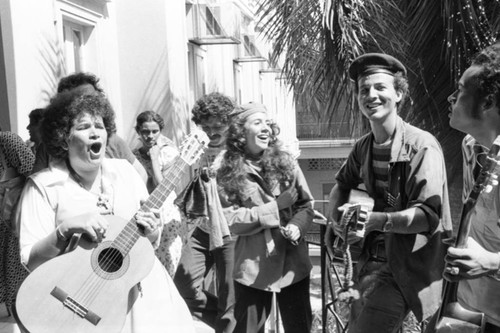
(91, 224)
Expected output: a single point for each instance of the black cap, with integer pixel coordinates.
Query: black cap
(371, 63)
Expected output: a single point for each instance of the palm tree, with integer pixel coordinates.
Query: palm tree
(318, 39)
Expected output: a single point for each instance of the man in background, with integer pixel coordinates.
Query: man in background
(208, 245)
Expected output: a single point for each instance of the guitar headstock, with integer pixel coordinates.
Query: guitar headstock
(193, 146)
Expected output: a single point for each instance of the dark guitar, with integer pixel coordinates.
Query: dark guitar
(451, 316)
(87, 289)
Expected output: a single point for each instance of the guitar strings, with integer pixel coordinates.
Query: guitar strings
(130, 234)
(155, 202)
(127, 238)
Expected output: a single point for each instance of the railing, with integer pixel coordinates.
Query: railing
(337, 130)
(314, 233)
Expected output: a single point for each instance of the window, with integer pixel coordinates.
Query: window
(74, 45)
(78, 24)
(211, 23)
(250, 48)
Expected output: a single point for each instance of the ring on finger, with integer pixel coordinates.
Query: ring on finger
(454, 270)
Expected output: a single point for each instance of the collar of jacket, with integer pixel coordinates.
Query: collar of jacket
(400, 149)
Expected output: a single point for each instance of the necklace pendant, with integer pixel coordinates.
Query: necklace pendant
(104, 205)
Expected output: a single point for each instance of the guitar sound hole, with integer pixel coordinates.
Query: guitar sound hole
(110, 260)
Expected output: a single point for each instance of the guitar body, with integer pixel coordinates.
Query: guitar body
(92, 288)
(456, 319)
(357, 199)
(86, 290)
(453, 317)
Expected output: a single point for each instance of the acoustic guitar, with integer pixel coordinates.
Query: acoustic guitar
(360, 203)
(451, 316)
(87, 289)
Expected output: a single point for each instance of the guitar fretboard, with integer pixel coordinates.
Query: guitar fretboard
(129, 235)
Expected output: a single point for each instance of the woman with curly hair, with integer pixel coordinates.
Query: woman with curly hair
(75, 196)
(268, 205)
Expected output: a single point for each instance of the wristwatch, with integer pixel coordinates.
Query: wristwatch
(388, 225)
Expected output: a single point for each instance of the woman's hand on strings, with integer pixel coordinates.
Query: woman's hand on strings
(93, 225)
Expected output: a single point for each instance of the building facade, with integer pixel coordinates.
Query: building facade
(156, 55)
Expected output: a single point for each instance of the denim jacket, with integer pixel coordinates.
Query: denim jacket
(417, 178)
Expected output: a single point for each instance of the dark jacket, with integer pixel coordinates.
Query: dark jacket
(417, 178)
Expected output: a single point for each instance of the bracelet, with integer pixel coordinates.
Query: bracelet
(60, 235)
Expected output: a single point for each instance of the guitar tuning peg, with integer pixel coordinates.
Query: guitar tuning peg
(488, 188)
(494, 182)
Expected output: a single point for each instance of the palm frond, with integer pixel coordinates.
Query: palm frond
(316, 41)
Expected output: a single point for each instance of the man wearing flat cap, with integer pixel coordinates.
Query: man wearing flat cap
(402, 169)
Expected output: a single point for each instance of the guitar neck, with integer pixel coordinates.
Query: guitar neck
(450, 288)
(167, 185)
(129, 235)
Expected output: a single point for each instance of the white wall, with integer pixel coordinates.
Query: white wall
(31, 57)
(153, 63)
(140, 56)
(34, 51)
(219, 66)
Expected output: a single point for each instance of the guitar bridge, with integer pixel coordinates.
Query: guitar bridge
(75, 306)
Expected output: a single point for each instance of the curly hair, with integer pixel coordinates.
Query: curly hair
(147, 116)
(63, 110)
(78, 79)
(36, 116)
(212, 105)
(277, 164)
(488, 80)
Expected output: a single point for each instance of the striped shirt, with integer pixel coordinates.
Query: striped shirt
(380, 162)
